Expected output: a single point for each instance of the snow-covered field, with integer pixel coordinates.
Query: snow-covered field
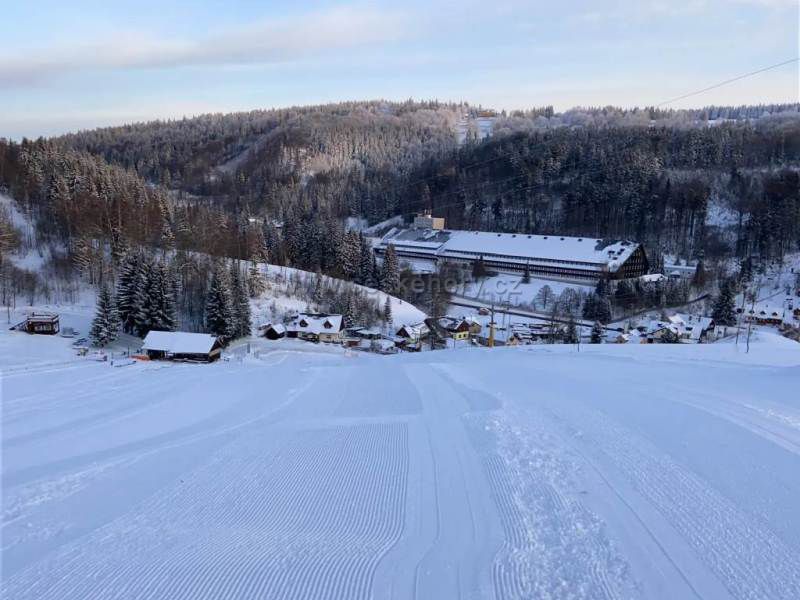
(535, 472)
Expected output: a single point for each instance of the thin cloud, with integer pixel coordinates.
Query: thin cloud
(273, 41)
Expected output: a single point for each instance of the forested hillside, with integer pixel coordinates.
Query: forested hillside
(654, 184)
(656, 175)
(712, 184)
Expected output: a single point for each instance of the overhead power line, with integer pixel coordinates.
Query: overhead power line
(727, 81)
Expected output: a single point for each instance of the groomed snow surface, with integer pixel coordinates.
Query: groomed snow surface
(536, 472)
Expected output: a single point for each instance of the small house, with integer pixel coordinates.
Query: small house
(764, 315)
(459, 328)
(365, 333)
(502, 336)
(695, 328)
(181, 345)
(316, 327)
(413, 335)
(43, 323)
(660, 332)
(274, 331)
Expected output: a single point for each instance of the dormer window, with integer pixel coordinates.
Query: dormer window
(303, 323)
(327, 325)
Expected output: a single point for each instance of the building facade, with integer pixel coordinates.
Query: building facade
(544, 256)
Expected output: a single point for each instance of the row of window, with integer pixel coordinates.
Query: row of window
(476, 255)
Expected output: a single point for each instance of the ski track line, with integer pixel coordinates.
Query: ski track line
(437, 510)
(136, 404)
(749, 560)
(541, 548)
(137, 450)
(48, 367)
(24, 406)
(755, 419)
(311, 520)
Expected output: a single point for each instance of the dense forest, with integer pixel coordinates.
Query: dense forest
(649, 174)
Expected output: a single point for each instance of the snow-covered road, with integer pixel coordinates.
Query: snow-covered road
(620, 472)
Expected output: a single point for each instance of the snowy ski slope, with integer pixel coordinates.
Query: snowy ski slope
(535, 472)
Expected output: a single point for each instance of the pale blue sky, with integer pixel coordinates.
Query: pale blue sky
(85, 63)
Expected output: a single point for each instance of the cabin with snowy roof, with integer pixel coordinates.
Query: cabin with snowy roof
(45, 323)
(547, 256)
(274, 331)
(413, 333)
(182, 345)
(316, 327)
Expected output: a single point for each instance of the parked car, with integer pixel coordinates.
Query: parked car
(68, 332)
(80, 342)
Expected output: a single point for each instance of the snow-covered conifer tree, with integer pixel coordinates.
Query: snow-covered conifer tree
(367, 276)
(602, 309)
(724, 311)
(571, 332)
(256, 284)
(129, 290)
(387, 311)
(105, 325)
(240, 303)
(219, 312)
(350, 256)
(390, 275)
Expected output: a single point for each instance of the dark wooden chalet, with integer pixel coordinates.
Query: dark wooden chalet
(41, 323)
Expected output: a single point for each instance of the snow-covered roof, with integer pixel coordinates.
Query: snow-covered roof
(316, 323)
(589, 252)
(652, 278)
(179, 342)
(655, 326)
(415, 331)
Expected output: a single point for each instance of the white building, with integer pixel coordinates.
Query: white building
(316, 327)
(544, 256)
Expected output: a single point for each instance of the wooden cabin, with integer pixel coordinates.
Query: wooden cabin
(181, 345)
(274, 331)
(41, 323)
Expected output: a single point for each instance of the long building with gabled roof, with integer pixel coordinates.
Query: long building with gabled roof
(545, 256)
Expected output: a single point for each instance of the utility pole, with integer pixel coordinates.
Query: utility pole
(752, 310)
(741, 312)
(491, 327)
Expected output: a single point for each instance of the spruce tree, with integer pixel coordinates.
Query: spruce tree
(147, 299)
(590, 308)
(390, 276)
(161, 303)
(256, 285)
(129, 290)
(479, 269)
(601, 289)
(699, 277)
(597, 333)
(571, 333)
(106, 322)
(350, 256)
(387, 311)
(240, 303)
(351, 311)
(602, 309)
(724, 311)
(624, 295)
(366, 275)
(219, 312)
